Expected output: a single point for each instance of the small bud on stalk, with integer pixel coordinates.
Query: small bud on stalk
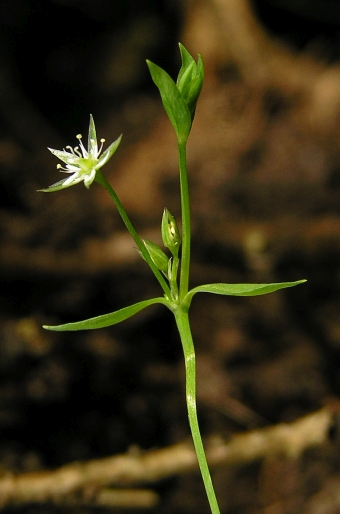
(170, 233)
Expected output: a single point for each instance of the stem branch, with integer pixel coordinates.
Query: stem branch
(103, 182)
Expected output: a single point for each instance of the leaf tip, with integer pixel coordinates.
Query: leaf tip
(51, 327)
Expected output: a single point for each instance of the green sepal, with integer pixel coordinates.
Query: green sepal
(57, 186)
(174, 104)
(108, 153)
(92, 136)
(107, 320)
(159, 258)
(240, 289)
(190, 79)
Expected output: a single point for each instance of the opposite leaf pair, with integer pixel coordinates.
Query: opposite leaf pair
(180, 98)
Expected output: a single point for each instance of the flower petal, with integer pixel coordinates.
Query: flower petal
(70, 168)
(73, 179)
(88, 179)
(62, 155)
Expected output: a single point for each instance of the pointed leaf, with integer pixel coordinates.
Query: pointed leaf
(187, 60)
(241, 289)
(190, 79)
(174, 105)
(107, 320)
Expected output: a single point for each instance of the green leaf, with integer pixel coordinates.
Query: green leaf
(187, 62)
(241, 289)
(174, 105)
(190, 79)
(107, 320)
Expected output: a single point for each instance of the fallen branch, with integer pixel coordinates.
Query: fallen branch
(88, 481)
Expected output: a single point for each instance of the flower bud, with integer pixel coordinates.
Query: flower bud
(158, 257)
(170, 233)
(190, 79)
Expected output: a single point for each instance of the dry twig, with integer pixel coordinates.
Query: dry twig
(88, 481)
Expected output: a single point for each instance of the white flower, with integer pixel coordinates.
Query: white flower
(82, 164)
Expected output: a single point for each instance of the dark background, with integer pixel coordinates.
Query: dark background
(83, 396)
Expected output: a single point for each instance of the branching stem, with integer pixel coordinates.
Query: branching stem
(103, 182)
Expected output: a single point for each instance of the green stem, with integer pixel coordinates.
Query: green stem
(173, 279)
(186, 230)
(103, 182)
(182, 320)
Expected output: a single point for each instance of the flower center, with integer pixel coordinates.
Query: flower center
(86, 164)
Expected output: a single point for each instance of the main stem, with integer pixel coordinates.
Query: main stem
(183, 325)
(186, 230)
(103, 182)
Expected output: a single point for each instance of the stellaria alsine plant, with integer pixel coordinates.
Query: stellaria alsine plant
(179, 100)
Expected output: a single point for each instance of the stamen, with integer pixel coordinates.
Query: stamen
(101, 146)
(79, 136)
(61, 168)
(82, 148)
(77, 151)
(70, 149)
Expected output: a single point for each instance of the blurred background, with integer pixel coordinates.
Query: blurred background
(264, 164)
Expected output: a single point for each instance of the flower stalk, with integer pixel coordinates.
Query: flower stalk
(141, 246)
